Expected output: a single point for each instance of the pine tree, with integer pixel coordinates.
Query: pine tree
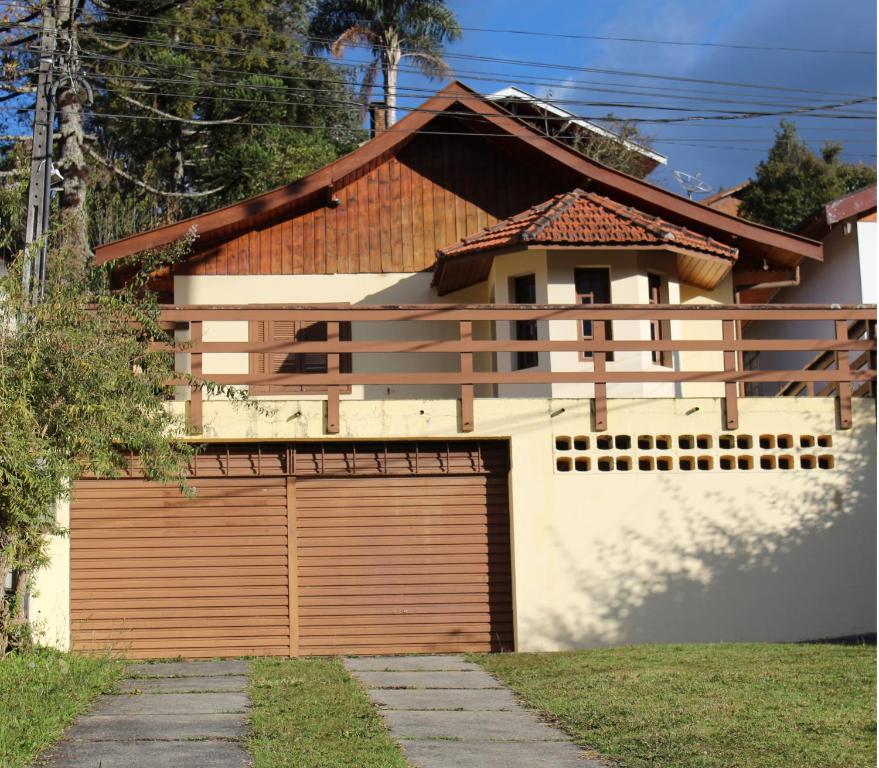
(792, 182)
(196, 105)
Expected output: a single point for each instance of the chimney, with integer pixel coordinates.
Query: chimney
(378, 118)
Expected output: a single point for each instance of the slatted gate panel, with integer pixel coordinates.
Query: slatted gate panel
(403, 564)
(156, 574)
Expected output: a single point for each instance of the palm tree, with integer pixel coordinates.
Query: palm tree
(394, 30)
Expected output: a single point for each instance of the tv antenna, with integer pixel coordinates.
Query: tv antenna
(691, 183)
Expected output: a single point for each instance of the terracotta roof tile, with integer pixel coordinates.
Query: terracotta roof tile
(585, 218)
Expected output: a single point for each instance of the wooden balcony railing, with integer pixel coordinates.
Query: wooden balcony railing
(493, 323)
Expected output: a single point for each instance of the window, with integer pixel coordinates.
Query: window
(592, 285)
(285, 362)
(524, 291)
(658, 328)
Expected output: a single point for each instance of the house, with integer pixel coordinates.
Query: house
(727, 200)
(847, 275)
(501, 411)
(569, 128)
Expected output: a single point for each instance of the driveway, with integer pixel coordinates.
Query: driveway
(447, 712)
(168, 715)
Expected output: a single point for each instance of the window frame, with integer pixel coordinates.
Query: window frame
(523, 360)
(584, 356)
(345, 361)
(660, 330)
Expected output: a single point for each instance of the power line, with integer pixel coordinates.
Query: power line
(494, 77)
(393, 129)
(514, 62)
(605, 38)
(653, 41)
(719, 113)
(567, 84)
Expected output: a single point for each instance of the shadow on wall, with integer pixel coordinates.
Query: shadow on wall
(414, 289)
(789, 558)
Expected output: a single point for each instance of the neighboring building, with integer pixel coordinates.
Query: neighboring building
(727, 200)
(847, 229)
(847, 275)
(500, 411)
(567, 127)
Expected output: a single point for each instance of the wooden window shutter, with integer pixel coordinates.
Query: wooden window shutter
(286, 362)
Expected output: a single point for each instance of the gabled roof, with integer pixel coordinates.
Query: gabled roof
(474, 114)
(859, 203)
(512, 96)
(587, 220)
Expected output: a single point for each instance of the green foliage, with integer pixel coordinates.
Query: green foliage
(393, 30)
(793, 182)
(310, 713)
(80, 377)
(611, 150)
(40, 695)
(227, 101)
(14, 161)
(707, 706)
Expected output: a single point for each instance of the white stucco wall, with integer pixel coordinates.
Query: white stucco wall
(846, 276)
(554, 274)
(397, 288)
(607, 558)
(868, 255)
(50, 590)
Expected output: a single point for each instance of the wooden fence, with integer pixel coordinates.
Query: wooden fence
(837, 371)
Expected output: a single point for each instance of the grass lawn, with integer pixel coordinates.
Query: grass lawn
(310, 713)
(40, 694)
(708, 706)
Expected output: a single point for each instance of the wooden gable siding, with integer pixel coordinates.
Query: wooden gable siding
(393, 217)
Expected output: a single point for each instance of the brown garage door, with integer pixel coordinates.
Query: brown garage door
(156, 574)
(403, 564)
(395, 548)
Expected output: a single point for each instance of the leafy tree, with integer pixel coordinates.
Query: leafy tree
(394, 30)
(80, 376)
(228, 101)
(612, 150)
(196, 104)
(793, 181)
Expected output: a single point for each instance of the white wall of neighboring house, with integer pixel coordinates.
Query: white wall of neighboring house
(868, 250)
(847, 275)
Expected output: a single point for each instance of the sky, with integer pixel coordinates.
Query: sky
(724, 154)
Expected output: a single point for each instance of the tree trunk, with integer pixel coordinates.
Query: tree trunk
(23, 636)
(390, 67)
(4, 607)
(73, 237)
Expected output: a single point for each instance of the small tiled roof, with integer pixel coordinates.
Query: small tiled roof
(585, 218)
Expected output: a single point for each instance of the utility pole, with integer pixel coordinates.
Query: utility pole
(38, 196)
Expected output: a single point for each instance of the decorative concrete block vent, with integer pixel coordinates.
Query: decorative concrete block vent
(606, 453)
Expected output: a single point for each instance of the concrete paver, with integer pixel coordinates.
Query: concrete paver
(412, 663)
(476, 700)
(169, 715)
(155, 754)
(510, 754)
(466, 726)
(430, 679)
(167, 704)
(188, 668)
(447, 712)
(186, 684)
